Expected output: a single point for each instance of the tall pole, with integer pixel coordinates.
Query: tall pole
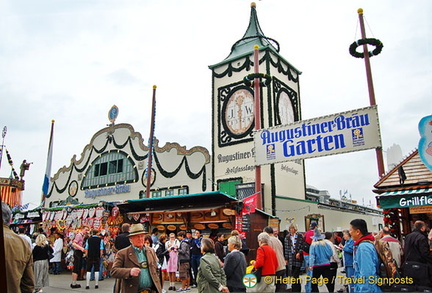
(257, 98)
(150, 151)
(3, 281)
(46, 183)
(378, 150)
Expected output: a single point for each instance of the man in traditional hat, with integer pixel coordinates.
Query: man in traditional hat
(136, 265)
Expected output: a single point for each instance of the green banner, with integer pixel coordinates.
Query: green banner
(405, 201)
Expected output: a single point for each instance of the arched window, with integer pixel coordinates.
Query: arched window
(110, 168)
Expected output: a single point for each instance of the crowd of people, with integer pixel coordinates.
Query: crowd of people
(142, 262)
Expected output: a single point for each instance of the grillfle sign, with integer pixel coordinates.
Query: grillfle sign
(329, 135)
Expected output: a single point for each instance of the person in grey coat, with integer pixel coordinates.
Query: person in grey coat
(235, 265)
(211, 277)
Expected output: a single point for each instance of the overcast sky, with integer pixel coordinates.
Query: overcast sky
(71, 60)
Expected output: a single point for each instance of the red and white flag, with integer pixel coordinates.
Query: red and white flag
(250, 203)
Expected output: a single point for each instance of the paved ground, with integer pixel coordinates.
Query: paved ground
(61, 283)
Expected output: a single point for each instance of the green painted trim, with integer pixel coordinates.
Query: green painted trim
(182, 196)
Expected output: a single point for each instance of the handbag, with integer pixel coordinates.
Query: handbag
(417, 271)
(257, 274)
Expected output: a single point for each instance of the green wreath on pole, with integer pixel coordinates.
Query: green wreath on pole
(248, 79)
(374, 42)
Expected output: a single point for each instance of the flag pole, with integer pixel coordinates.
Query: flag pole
(378, 150)
(3, 281)
(45, 186)
(151, 142)
(257, 99)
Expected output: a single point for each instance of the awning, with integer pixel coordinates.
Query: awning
(405, 198)
(188, 202)
(180, 209)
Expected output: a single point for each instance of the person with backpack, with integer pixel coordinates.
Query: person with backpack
(365, 257)
(320, 253)
(184, 261)
(393, 245)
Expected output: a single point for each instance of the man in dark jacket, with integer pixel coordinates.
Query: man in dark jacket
(122, 240)
(417, 250)
(219, 247)
(184, 260)
(294, 256)
(196, 256)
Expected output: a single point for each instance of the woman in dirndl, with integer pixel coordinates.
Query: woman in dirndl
(172, 246)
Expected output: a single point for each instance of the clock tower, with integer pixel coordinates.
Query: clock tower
(233, 119)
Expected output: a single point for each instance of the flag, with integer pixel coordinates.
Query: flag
(250, 203)
(45, 187)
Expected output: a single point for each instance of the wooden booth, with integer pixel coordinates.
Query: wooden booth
(210, 212)
(405, 195)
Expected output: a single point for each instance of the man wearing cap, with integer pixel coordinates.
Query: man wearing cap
(136, 265)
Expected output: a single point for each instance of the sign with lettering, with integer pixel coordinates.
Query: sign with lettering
(407, 201)
(119, 188)
(323, 136)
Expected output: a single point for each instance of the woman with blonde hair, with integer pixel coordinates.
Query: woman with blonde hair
(41, 253)
(172, 246)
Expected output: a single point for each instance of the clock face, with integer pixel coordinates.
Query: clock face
(238, 113)
(152, 177)
(73, 188)
(285, 109)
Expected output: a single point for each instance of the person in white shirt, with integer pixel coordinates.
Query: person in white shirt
(335, 261)
(57, 253)
(23, 235)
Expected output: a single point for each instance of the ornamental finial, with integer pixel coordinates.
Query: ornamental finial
(253, 5)
(154, 87)
(360, 11)
(256, 47)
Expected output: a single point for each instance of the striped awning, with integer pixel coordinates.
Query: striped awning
(405, 198)
(405, 192)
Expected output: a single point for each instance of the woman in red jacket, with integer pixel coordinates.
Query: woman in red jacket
(266, 260)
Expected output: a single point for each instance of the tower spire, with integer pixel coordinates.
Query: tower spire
(253, 36)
